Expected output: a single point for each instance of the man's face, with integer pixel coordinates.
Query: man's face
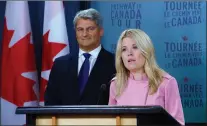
(88, 34)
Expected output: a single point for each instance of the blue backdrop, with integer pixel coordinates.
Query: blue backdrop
(178, 31)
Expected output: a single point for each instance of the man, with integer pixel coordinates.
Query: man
(83, 78)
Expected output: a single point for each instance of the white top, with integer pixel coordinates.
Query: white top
(94, 54)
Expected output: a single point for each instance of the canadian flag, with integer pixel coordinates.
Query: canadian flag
(19, 85)
(55, 40)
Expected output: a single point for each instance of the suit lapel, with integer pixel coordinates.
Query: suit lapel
(73, 74)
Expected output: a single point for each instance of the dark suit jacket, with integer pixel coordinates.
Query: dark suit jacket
(63, 88)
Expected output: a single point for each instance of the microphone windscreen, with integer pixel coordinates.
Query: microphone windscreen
(103, 86)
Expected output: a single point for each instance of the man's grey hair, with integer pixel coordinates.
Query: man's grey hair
(90, 14)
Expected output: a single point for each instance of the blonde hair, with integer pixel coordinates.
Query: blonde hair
(152, 70)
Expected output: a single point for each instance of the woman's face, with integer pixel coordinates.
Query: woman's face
(131, 55)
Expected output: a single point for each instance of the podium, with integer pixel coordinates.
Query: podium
(97, 115)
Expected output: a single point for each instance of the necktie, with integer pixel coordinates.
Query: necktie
(84, 72)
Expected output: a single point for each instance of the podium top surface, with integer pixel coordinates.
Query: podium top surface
(90, 109)
(147, 114)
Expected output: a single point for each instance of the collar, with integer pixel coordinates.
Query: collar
(94, 53)
(143, 77)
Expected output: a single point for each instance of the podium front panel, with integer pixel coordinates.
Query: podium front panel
(87, 120)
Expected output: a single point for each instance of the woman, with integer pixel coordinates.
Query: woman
(139, 80)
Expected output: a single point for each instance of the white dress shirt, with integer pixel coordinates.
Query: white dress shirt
(94, 54)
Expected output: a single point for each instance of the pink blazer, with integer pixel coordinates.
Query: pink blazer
(135, 93)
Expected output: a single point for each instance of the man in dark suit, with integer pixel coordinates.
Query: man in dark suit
(83, 78)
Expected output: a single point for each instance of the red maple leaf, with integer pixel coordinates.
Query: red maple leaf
(185, 38)
(50, 50)
(16, 60)
(186, 79)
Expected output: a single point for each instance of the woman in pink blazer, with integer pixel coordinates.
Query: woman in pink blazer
(139, 80)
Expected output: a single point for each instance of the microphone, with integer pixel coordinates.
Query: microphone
(102, 89)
